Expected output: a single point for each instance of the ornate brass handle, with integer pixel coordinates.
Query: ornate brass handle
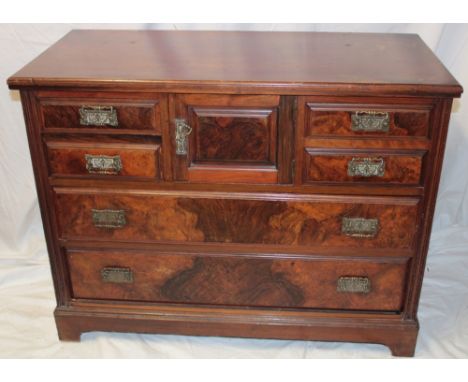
(117, 275)
(370, 121)
(366, 167)
(183, 130)
(103, 164)
(98, 116)
(108, 218)
(353, 284)
(359, 227)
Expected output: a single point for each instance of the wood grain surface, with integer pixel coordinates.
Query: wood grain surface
(137, 160)
(234, 139)
(136, 112)
(333, 167)
(234, 136)
(401, 123)
(230, 240)
(248, 59)
(242, 281)
(214, 220)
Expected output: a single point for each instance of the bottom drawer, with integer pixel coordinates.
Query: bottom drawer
(239, 280)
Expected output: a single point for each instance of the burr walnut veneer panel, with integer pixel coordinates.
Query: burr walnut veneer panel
(63, 110)
(241, 219)
(238, 280)
(105, 159)
(341, 166)
(337, 119)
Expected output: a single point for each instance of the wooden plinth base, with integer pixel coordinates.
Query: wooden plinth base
(397, 334)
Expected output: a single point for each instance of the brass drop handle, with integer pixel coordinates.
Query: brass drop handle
(353, 284)
(370, 121)
(108, 218)
(103, 164)
(366, 167)
(98, 116)
(117, 275)
(183, 130)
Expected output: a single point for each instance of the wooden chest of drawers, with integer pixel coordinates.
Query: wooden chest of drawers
(275, 185)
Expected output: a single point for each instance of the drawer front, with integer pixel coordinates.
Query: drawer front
(239, 280)
(367, 120)
(103, 159)
(363, 167)
(343, 222)
(110, 112)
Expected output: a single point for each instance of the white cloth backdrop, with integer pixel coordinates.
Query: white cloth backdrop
(26, 294)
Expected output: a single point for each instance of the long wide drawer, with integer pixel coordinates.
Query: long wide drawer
(280, 220)
(358, 284)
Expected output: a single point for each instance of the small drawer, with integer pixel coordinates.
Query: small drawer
(379, 120)
(103, 159)
(247, 280)
(363, 166)
(307, 222)
(107, 112)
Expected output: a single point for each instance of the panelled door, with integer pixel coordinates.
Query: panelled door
(227, 139)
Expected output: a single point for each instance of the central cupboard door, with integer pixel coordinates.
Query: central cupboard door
(229, 139)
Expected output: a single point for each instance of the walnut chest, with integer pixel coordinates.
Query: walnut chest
(250, 184)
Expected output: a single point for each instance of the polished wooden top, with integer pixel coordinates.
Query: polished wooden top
(219, 61)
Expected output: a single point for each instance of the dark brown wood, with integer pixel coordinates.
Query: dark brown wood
(44, 193)
(239, 249)
(321, 189)
(234, 218)
(240, 281)
(243, 236)
(280, 63)
(327, 120)
(368, 143)
(60, 111)
(431, 186)
(399, 335)
(233, 138)
(233, 135)
(286, 133)
(400, 167)
(129, 117)
(68, 158)
(232, 174)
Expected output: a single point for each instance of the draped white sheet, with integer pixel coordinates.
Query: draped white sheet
(27, 299)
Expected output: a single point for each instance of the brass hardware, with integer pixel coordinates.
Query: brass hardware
(103, 164)
(117, 275)
(183, 130)
(359, 227)
(352, 284)
(109, 218)
(370, 121)
(98, 116)
(366, 167)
